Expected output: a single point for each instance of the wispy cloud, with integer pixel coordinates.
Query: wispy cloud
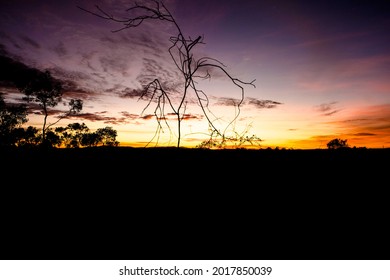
(329, 39)
(261, 104)
(371, 125)
(60, 49)
(347, 77)
(226, 101)
(30, 42)
(327, 109)
(369, 119)
(132, 93)
(98, 116)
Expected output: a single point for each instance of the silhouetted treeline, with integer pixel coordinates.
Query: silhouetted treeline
(74, 135)
(40, 87)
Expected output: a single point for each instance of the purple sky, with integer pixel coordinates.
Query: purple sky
(321, 68)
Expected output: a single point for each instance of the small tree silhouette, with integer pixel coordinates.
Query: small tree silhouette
(191, 68)
(337, 143)
(29, 137)
(76, 135)
(11, 118)
(72, 134)
(107, 136)
(47, 92)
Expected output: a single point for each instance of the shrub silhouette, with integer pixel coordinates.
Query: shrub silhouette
(11, 119)
(337, 143)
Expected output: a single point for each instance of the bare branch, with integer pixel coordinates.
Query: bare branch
(181, 53)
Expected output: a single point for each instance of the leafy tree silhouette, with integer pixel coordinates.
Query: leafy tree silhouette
(72, 134)
(191, 68)
(47, 92)
(76, 135)
(107, 136)
(90, 139)
(337, 143)
(11, 118)
(29, 137)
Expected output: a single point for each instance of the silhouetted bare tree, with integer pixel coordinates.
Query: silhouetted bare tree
(191, 68)
(237, 141)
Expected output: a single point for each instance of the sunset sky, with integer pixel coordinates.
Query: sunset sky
(321, 68)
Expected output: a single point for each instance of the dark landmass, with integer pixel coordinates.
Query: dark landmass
(169, 203)
(350, 167)
(183, 161)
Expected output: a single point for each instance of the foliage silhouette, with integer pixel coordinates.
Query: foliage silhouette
(43, 89)
(337, 143)
(11, 118)
(191, 68)
(106, 136)
(76, 135)
(47, 92)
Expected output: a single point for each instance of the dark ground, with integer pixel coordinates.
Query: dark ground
(168, 203)
(173, 166)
